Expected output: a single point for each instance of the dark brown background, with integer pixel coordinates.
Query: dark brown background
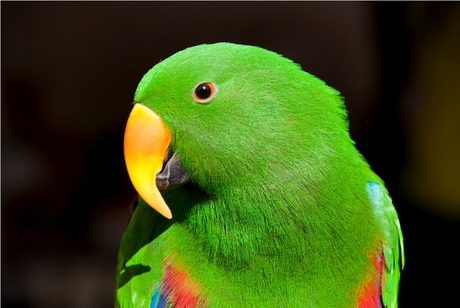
(69, 71)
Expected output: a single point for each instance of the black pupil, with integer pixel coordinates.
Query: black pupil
(203, 91)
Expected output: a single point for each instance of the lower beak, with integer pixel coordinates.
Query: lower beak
(145, 144)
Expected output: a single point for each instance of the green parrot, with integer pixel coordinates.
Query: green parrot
(251, 191)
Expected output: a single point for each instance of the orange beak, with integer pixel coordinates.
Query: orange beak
(145, 145)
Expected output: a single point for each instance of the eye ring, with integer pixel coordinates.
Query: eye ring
(204, 91)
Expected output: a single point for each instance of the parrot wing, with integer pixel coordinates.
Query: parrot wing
(393, 249)
(139, 272)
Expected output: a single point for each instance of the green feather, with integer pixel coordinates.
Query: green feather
(393, 248)
(277, 212)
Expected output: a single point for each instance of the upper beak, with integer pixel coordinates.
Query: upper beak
(145, 146)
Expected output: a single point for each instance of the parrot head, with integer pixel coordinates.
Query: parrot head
(229, 117)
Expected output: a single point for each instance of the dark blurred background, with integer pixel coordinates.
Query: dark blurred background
(69, 71)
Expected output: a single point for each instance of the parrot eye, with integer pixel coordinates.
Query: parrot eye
(204, 92)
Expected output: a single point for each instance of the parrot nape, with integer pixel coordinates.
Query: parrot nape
(251, 191)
